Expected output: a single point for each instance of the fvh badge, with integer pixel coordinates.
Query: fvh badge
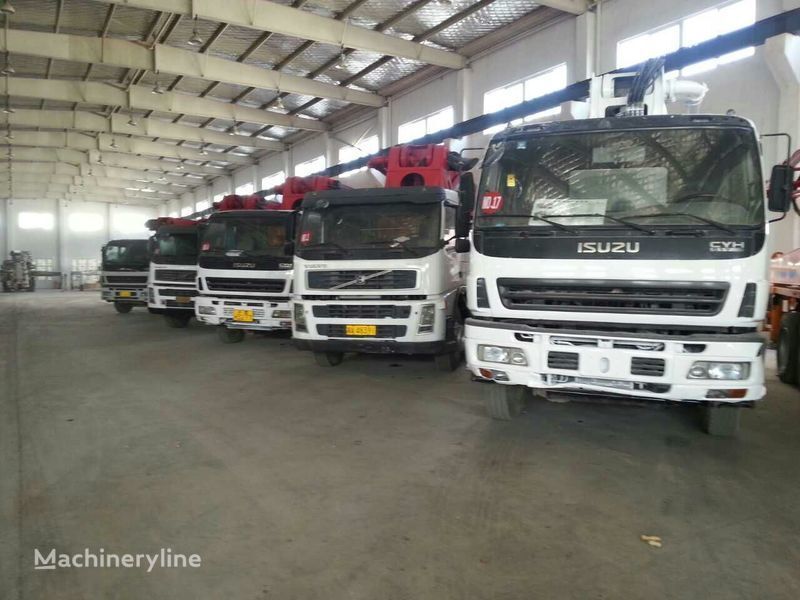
(491, 203)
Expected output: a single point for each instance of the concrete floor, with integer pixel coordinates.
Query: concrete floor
(380, 479)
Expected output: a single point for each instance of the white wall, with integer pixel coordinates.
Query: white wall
(61, 244)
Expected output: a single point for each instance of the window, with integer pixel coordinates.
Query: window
(314, 165)
(270, 181)
(186, 211)
(130, 223)
(218, 197)
(173, 214)
(36, 220)
(202, 205)
(545, 82)
(44, 264)
(363, 147)
(89, 267)
(437, 121)
(85, 223)
(245, 189)
(691, 31)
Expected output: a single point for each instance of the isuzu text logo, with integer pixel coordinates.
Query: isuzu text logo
(243, 265)
(608, 247)
(726, 246)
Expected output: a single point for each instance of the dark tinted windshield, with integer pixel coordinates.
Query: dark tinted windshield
(650, 177)
(132, 254)
(250, 236)
(401, 229)
(176, 245)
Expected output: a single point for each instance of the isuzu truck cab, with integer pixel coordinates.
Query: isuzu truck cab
(244, 274)
(173, 269)
(376, 270)
(622, 256)
(123, 279)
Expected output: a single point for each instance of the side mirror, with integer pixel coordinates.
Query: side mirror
(465, 206)
(462, 245)
(779, 194)
(288, 248)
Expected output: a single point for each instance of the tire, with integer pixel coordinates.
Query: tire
(328, 359)
(230, 336)
(721, 420)
(447, 362)
(789, 347)
(123, 308)
(177, 321)
(504, 402)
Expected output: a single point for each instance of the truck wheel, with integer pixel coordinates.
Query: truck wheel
(230, 336)
(504, 402)
(328, 359)
(788, 344)
(177, 321)
(448, 362)
(123, 308)
(722, 419)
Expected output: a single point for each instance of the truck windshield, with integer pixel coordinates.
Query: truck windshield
(247, 236)
(131, 255)
(688, 176)
(175, 246)
(398, 230)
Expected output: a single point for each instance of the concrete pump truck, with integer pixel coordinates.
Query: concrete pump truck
(173, 269)
(123, 278)
(244, 272)
(623, 255)
(376, 269)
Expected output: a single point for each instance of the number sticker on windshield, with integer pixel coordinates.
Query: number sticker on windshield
(305, 237)
(492, 202)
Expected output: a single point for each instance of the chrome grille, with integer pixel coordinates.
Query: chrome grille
(398, 279)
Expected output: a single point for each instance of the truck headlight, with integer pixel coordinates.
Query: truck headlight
(427, 317)
(299, 318)
(719, 370)
(206, 310)
(501, 354)
(281, 314)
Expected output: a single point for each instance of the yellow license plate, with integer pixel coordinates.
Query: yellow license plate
(125, 294)
(361, 329)
(242, 315)
(185, 300)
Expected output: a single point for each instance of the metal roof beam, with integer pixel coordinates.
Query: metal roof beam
(174, 61)
(575, 7)
(140, 97)
(46, 191)
(117, 123)
(102, 182)
(111, 143)
(262, 15)
(41, 169)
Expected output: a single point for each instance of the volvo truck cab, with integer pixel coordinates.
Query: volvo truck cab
(376, 270)
(245, 270)
(173, 269)
(123, 279)
(621, 256)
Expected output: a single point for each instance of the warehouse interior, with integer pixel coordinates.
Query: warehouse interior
(381, 477)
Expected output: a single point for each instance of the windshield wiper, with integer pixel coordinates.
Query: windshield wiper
(396, 244)
(334, 245)
(536, 217)
(610, 218)
(705, 220)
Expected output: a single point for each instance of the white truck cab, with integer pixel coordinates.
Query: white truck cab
(621, 256)
(376, 271)
(124, 272)
(244, 274)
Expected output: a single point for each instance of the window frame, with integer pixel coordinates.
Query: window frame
(425, 121)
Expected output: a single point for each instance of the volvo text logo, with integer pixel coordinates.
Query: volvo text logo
(726, 246)
(608, 247)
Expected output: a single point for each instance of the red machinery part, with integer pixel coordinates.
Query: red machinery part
(417, 165)
(293, 189)
(154, 224)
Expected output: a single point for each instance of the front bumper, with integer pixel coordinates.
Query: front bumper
(129, 295)
(163, 299)
(603, 363)
(398, 333)
(267, 315)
